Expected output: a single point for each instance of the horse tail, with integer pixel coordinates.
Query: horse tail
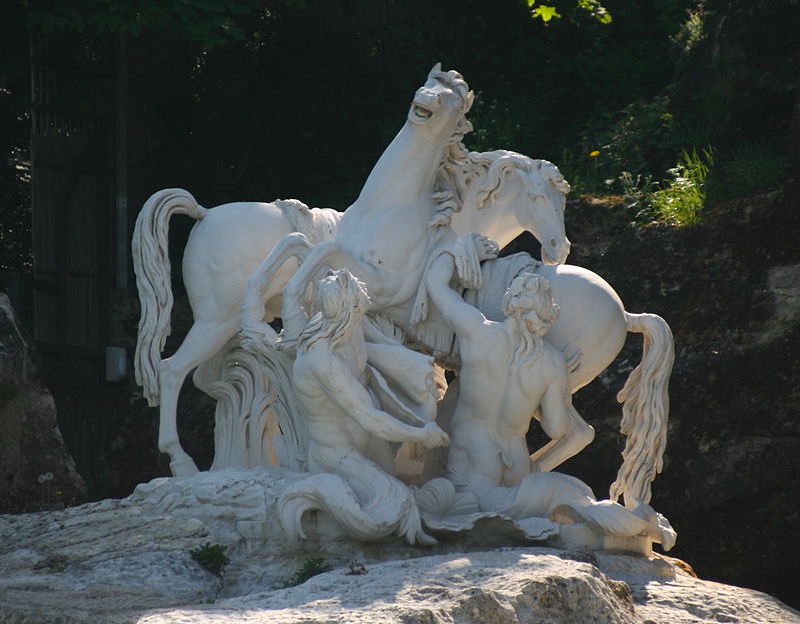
(392, 510)
(645, 410)
(152, 268)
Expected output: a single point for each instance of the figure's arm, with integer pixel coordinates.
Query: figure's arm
(461, 316)
(346, 391)
(569, 433)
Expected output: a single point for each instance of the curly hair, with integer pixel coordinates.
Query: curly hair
(341, 300)
(529, 291)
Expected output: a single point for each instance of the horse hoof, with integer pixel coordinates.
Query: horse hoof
(183, 467)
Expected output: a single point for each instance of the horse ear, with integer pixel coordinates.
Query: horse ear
(470, 100)
(436, 70)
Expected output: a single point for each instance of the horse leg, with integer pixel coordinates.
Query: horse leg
(202, 342)
(569, 434)
(293, 314)
(262, 286)
(327, 253)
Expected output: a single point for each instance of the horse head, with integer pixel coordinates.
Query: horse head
(439, 106)
(542, 212)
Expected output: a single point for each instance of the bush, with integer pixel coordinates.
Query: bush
(311, 567)
(682, 200)
(747, 170)
(211, 556)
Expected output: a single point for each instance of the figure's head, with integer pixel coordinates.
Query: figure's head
(340, 293)
(441, 104)
(530, 300)
(341, 302)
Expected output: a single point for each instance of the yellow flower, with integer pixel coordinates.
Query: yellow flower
(594, 153)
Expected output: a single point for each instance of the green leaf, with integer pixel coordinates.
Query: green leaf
(597, 10)
(545, 12)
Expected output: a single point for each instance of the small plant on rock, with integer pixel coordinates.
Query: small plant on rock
(356, 568)
(310, 567)
(211, 556)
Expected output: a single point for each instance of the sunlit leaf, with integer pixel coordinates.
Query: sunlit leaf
(545, 12)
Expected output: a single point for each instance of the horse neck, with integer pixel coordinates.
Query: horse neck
(497, 222)
(405, 171)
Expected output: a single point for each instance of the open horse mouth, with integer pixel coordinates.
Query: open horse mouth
(420, 112)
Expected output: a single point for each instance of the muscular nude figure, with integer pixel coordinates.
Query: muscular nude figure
(348, 434)
(510, 375)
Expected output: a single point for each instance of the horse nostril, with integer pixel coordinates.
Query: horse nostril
(552, 242)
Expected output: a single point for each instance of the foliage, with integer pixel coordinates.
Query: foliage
(639, 141)
(209, 23)
(583, 169)
(494, 125)
(547, 12)
(682, 200)
(356, 568)
(211, 556)
(691, 33)
(748, 169)
(310, 567)
(643, 137)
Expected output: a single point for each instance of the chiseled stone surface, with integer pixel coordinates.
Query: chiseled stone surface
(128, 561)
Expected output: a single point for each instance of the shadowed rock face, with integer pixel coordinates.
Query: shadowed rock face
(36, 472)
(730, 290)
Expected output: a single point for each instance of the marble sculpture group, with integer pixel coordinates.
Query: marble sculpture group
(412, 358)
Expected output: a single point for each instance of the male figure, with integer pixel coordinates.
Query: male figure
(348, 434)
(508, 376)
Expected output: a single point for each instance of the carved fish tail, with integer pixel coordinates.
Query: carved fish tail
(395, 512)
(645, 410)
(152, 268)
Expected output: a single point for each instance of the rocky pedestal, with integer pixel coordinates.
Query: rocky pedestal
(130, 561)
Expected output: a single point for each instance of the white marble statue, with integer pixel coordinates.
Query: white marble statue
(225, 246)
(374, 302)
(509, 375)
(229, 241)
(348, 453)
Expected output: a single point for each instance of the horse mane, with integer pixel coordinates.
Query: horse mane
(461, 170)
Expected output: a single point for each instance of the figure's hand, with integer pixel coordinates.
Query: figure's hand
(487, 248)
(433, 436)
(257, 337)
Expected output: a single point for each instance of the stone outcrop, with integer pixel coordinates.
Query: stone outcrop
(36, 472)
(129, 560)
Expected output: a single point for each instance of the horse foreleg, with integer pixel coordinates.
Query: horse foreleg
(293, 314)
(264, 283)
(202, 342)
(570, 435)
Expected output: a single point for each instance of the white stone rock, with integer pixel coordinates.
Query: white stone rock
(128, 561)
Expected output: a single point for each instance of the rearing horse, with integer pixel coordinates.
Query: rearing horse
(387, 236)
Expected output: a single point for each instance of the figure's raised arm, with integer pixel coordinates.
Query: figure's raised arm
(348, 393)
(460, 315)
